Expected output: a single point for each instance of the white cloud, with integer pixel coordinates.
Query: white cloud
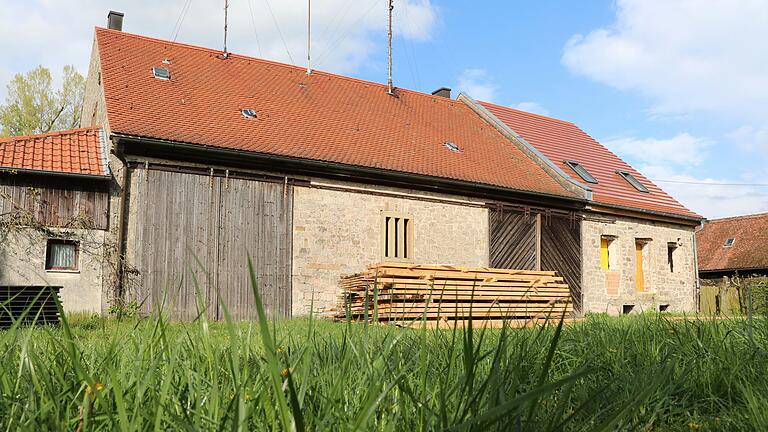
(477, 84)
(715, 198)
(686, 55)
(750, 138)
(532, 107)
(344, 32)
(682, 149)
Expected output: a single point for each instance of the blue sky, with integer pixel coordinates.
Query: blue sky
(679, 88)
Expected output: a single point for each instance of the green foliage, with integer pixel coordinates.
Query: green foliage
(121, 310)
(643, 372)
(33, 106)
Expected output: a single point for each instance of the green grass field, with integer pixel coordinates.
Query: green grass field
(631, 373)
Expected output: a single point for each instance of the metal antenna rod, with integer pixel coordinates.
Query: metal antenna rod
(390, 88)
(309, 29)
(226, 6)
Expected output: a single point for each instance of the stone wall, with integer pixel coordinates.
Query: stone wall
(22, 262)
(609, 290)
(340, 232)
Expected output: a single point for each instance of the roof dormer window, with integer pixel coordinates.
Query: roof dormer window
(729, 242)
(581, 171)
(633, 181)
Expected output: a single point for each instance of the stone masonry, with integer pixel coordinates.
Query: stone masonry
(340, 232)
(608, 291)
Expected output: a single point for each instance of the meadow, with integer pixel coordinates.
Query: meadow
(646, 372)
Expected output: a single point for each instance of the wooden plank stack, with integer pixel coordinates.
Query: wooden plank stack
(30, 304)
(400, 292)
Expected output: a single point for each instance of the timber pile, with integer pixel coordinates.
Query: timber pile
(406, 292)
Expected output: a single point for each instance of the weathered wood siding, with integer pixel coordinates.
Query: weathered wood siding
(561, 252)
(193, 236)
(513, 239)
(56, 202)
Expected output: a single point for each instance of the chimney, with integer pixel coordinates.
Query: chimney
(115, 20)
(442, 92)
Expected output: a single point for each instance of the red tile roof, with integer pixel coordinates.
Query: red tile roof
(750, 245)
(76, 151)
(560, 140)
(323, 116)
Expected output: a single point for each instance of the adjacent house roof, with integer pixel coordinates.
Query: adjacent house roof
(76, 151)
(561, 141)
(747, 250)
(321, 117)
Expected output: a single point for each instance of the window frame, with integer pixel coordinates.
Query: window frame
(76, 260)
(584, 174)
(405, 236)
(633, 181)
(671, 249)
(729, 242)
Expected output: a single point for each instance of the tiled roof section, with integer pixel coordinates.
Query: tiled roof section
(559, 141)
(75, 151)
(750, 245)
(322, 116)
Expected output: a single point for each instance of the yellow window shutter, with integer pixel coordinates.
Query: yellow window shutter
(604, 253)
(639, 278)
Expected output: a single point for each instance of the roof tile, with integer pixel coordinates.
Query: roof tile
(322, 116)
(76, 151)
(749, 250)
(560, 140)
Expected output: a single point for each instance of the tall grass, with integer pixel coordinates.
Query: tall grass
(629, 373)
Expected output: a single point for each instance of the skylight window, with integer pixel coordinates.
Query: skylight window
(729, 242)
(633, 181)
(161, 73)
(581, 171)
(452, 147)
(248, 113)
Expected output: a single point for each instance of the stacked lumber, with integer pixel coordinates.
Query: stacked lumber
(407, 292)
(30, 304)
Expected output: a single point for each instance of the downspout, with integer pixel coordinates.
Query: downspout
(123, 225)
(697, 283)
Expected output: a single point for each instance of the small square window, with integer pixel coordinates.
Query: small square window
(398, 237)
(61, 254)
(729, 242)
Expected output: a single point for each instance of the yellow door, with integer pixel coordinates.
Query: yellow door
(604, 254)
(639, 279)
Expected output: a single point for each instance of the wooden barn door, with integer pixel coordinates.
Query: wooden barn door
(255, 221)
(561, 251)
(512, 239)
(189, 238)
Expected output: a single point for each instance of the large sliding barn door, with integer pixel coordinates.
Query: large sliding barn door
(189, 239)
(512, 239)
(514, 236)
(561, 252)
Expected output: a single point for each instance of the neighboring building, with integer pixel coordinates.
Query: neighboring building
(733, 245)
(638, 245)
(54, 214)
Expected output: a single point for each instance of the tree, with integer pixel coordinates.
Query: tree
(32, 106)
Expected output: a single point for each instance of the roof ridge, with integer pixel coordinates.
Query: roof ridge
(746, 216)
(530, 113)
(49, 134)
(272, 62)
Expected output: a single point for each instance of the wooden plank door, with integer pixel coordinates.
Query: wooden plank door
(561, 252)
(172, 235)
(255, 222)
(512, 240)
